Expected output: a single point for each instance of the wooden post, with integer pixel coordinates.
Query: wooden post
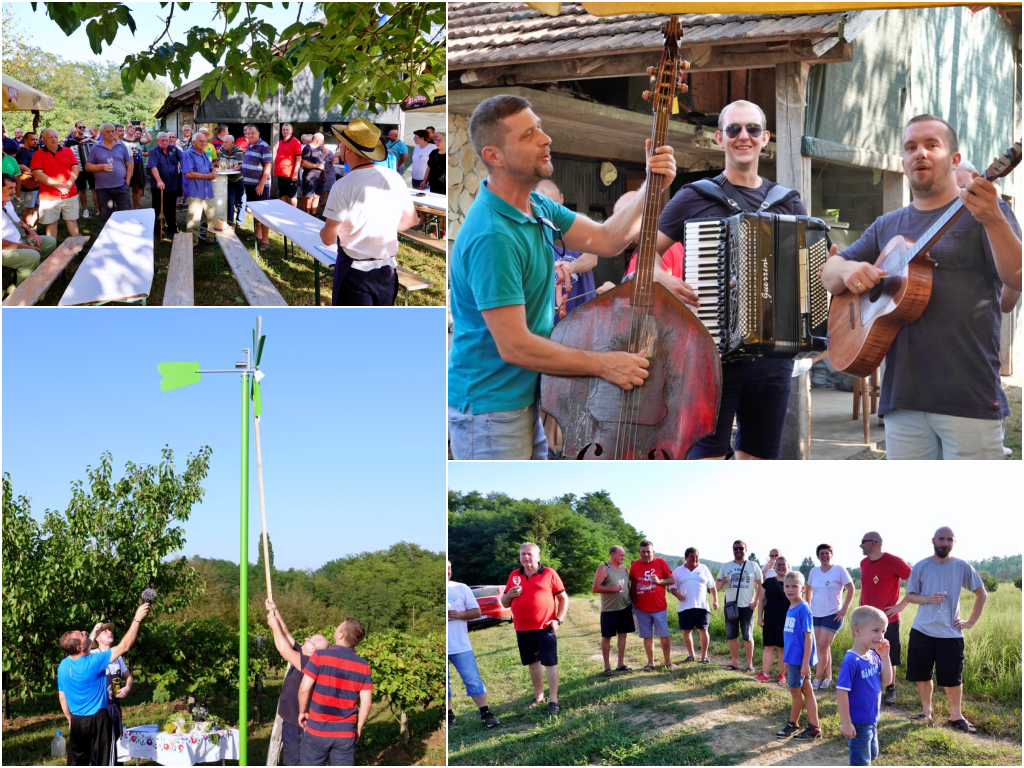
(275, 139)
(895, 191)
(792, 169)
(276, 735)
(263, 510)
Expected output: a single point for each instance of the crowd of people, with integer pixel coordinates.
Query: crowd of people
(51, 179)
(324, 702)
(507, 295)
(799, 619)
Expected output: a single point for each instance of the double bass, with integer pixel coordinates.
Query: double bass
(862, 327)
(678, 402)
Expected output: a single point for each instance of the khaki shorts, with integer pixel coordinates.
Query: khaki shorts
(51, 211)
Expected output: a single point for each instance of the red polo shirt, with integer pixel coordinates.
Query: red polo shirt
(650, 597)
(58, 167)
(880, 581)
(286, 162)
(535, 608)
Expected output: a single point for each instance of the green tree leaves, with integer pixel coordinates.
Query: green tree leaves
(91, 562)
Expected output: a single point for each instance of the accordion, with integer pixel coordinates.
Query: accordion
(756, 275)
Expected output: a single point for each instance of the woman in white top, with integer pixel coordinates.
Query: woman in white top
(691, 582)
(420, 155)
(824, 593)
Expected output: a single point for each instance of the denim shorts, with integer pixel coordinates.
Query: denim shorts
(793, 677)
(828, 622)
(864, 746)
(465, 665)
(652, 623)
(497, 435)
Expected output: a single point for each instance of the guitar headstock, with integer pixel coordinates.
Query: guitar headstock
(667, 77)
(1005, 163)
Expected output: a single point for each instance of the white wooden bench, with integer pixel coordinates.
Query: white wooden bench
(255, 285)
(180, 288)
(35, 286)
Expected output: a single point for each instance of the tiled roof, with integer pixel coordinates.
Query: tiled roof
(485, 34)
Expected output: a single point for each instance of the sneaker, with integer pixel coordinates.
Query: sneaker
(815, 684)
(490, 720)
(762, 677)
(808, 733)
(85, 214)
(788, 730)
(451, 719)
(782, 679)
(825, 684)
(890, 696)
(553, 708)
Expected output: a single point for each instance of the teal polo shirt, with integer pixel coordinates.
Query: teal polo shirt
(501, 257)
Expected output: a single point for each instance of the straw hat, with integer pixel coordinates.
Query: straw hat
(608, 174)
(362, 137)
(102, 627)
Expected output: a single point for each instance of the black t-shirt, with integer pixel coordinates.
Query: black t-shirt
(776, 604)
(24, 157)
(947, 361)
(688, 203)
(437, 163)
(288, 703)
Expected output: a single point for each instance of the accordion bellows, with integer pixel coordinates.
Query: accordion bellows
(756, 275)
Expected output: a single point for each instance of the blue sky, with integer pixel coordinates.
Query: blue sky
(352, 433)
(788, 505)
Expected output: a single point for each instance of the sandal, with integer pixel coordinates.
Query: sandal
(264, 246)
(536, 703)
(921, 717)
(623, 668)
(670, 665)
(732, 668)
(705, 660)
(608, 673)
(962, 725)
(749, 669)
(648, 668)
(688, 659)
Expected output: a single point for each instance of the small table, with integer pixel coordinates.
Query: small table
(432, 205)
(148, 742)
(299, 227)
(119, 266)
(220, 198)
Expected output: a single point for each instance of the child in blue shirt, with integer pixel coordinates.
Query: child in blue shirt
(800, 654)
(865, 670)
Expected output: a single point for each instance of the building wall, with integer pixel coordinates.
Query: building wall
(465, 171)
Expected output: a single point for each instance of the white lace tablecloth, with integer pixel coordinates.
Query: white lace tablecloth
(150, 743)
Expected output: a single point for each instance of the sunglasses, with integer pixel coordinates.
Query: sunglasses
(547, 223)
(753, 130)
(80, 127)
(739, 549)
(867, 541)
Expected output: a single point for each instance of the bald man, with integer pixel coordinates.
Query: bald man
(937, 637)
(611, 582)
(880, 577)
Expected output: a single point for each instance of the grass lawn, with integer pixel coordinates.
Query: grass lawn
(30, 727)
(705, 715)
(291, 275)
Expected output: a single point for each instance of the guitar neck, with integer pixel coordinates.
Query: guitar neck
(654, 199)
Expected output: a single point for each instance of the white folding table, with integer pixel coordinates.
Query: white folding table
(299, 227)
(429, 199)
(119, 266)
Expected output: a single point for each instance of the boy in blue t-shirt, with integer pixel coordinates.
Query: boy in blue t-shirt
(865, 670)
(800, 654)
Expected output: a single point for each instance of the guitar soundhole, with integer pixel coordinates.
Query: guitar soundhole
(598, 451)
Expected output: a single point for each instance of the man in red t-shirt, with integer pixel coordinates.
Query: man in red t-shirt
(538, 601)
(286, 166)
(880, 577)
(648, 578)
(56, 168)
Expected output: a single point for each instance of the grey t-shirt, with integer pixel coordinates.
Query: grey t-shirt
(119, 155)
(947, 361)
(929, 577)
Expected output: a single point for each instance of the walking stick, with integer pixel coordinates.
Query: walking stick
(161, 214)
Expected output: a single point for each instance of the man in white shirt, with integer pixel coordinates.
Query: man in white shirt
(365, 212)
(462, 606)
(23, 249)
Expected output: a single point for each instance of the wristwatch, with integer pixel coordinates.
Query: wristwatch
(558, 620)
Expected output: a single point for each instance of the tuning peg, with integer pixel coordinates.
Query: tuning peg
(684, 65)
(650, 71)
(683, 88)
(646, 95)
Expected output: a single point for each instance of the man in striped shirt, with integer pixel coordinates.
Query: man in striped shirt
(334, 699)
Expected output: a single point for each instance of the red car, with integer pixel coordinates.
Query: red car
(491, 609)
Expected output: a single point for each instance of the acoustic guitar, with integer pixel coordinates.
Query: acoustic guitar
(678, 402)
(862, 327)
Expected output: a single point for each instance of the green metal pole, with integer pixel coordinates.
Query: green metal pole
(243, 592)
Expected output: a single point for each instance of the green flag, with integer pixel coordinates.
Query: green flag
(177, 375)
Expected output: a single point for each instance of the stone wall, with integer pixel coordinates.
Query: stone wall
(465, 171)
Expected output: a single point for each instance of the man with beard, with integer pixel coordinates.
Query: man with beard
(937, 637)
(755, 392)
(941, 395)
(502, 293)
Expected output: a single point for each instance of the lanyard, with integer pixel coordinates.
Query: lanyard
(17, 226)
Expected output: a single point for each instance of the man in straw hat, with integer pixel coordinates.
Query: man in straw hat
(365, 212)
(502, 291)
